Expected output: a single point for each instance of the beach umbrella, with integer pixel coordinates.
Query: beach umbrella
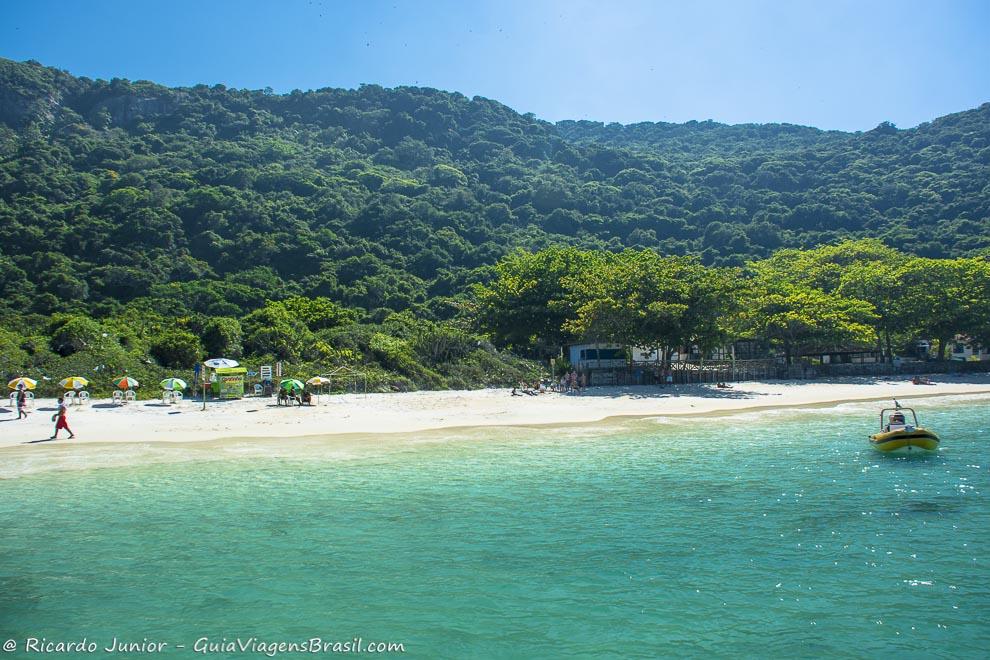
(221, 363)
(173, 384)
(291, 384)
(318, 381)
(74, 383)
(28, 383)
(125, 382)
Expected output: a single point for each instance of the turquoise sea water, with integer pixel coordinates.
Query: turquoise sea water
(772, 534)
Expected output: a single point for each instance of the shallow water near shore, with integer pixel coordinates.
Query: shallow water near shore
(773, 533)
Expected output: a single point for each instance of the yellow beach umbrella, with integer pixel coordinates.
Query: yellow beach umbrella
(318, 382)
(28, 383)
(74, 383)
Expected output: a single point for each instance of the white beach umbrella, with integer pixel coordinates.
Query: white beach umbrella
(221, 363)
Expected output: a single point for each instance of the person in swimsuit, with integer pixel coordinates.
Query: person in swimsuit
(21, 401)
(60, 421)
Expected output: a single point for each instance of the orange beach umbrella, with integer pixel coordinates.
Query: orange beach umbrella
(125, 383)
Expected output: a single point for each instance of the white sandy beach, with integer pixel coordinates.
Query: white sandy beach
(150, 421)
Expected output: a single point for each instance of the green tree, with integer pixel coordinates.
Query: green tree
(797, 317)
(952, 295)
(639, 298)
(222, 337)
(318, 313)
(70, 334)
(273, 330)
(176, 348)
(530, 298)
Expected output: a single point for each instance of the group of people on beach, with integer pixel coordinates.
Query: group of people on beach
(287, 397)
(568, 383)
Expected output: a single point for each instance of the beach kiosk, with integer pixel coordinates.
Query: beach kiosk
(229, 383)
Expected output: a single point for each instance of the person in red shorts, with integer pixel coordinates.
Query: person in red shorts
(59, 419)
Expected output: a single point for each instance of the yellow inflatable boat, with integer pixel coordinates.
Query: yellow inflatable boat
(897, 436)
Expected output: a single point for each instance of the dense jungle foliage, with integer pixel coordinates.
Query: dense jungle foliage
(857, 294)
(156, 225)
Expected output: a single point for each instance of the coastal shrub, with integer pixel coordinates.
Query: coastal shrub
(13, 357)
(222, 337)
(70, 334)
(400, 384)
(176, 348)
(484, 367)
(352, 337)
(391, 352)
(318, 313)
(272, 329)
(443, 343)
(396, 355)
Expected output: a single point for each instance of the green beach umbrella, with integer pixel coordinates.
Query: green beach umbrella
(173, 384)
(291, 384)
(125, 382)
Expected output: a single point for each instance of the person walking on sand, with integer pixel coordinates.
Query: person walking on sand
(21, 401)
(59, 419)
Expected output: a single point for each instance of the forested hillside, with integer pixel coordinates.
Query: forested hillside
(120, 199)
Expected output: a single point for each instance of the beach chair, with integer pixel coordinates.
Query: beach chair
(130, 395)
(29, 399)
(82, 398)
(166, 396)
(177, 396)
(118, 397)
(13, 399)
(69, 397)
(258, 389)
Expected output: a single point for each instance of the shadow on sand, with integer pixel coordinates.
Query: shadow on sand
(669, 392)
(738, 389)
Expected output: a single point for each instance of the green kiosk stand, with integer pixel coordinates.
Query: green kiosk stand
(229, 383)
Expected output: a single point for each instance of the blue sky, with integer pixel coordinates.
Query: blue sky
(837, 64)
